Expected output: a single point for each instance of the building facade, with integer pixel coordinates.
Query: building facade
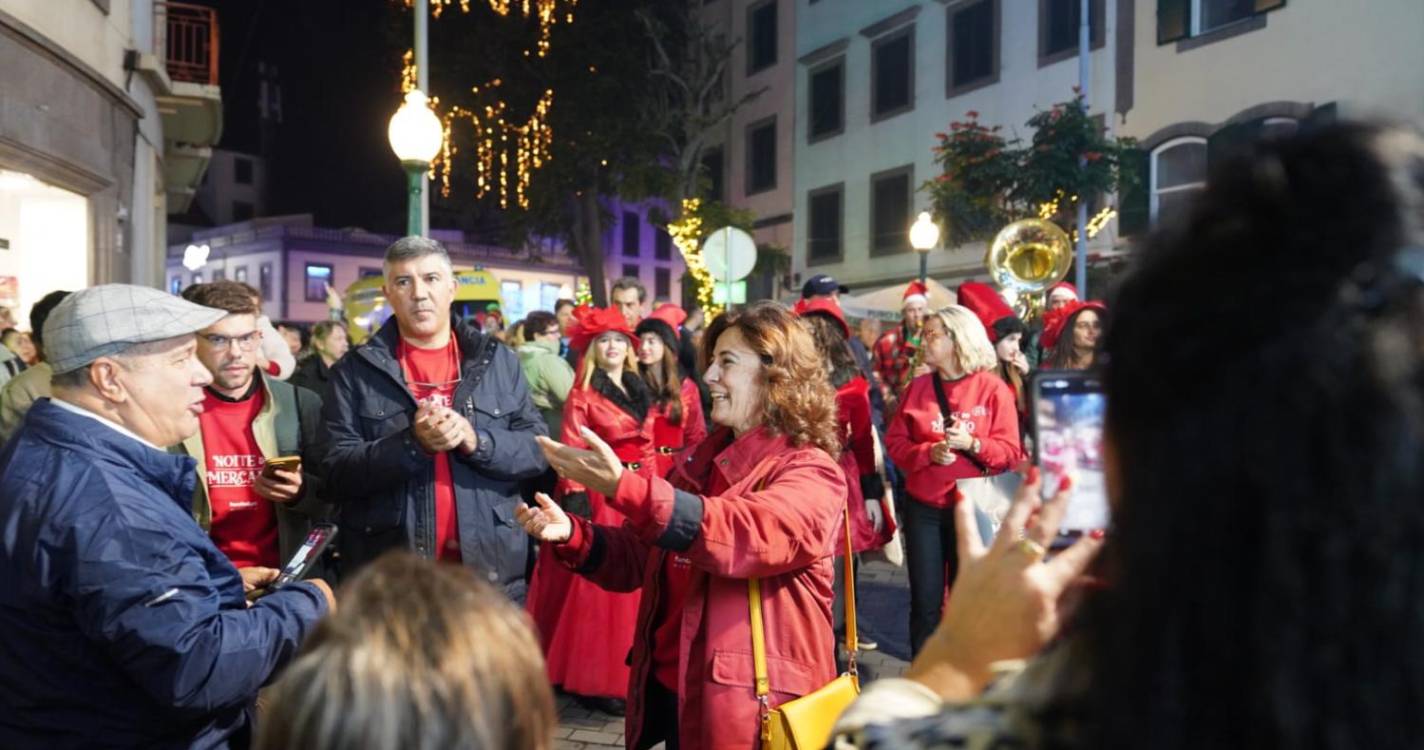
(876, 81)
(635, 244)
(106, 107)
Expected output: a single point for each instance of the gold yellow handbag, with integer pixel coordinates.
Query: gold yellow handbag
(805, 723)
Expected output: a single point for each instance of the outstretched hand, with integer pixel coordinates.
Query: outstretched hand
(547, 523)
(598, 468)
(1008, 601)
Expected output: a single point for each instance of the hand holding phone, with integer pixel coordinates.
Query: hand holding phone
(310, 551)
(284, 463)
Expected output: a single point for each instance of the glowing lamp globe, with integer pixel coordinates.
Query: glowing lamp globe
(415, 132)
(924, 233)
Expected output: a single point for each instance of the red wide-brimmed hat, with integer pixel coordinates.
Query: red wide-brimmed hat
(1055, 320)
(984, 302)
(823, 306)
(591, 322)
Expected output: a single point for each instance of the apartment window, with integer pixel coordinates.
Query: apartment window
(662, 283)
(264, 281)
(219, 274)
(241, 210)
(630, 270)
(630, 234)
(1058, 22)
(175, 284)
(317, 276)
(761, 156)
(761, 36)
(1178, 173)
(662, 244)
(1179, 19)
(827, 105)
(242, 171)
(892, 74)
(367, 272)
(712, 169)
(973, 46)
(240, 274)
(824, 209)
(890, 193)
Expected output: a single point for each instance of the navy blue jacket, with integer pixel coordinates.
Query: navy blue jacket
(383, 483)
(121, 625)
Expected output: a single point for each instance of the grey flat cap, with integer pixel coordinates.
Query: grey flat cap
(104, 320)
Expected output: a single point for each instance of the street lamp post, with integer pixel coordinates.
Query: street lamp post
(924, 235)
(415, 133)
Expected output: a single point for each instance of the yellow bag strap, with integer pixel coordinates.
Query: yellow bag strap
(852, 643)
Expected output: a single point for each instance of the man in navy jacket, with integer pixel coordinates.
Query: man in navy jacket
(431, 432)
(120, 623)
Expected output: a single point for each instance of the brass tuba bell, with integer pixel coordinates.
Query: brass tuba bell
(1026, 258)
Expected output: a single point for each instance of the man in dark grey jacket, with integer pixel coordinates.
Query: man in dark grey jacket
(431, 432)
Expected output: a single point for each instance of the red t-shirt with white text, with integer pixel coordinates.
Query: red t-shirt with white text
(244, 526)
(433, 374)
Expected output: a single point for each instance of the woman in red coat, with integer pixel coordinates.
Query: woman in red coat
(587, 631)
(977, 433)
(677, 405)
(761, 497)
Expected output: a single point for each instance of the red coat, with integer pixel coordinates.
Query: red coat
(669, 439)
(754, 507)
(858, 462)
(585, 630)
(983, 403)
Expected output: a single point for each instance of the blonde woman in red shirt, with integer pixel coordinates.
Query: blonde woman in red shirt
(958, 422)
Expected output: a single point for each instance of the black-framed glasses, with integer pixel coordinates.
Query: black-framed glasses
(246, 343)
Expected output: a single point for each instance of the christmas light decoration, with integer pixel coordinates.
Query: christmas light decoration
(1047, 211)
(686, 233)
(583, 295)
(546, 12)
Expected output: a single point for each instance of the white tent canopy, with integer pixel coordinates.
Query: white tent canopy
(885, 303)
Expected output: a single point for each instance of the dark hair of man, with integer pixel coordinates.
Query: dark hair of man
(419, 655)
(562, 303)
(840, 363)
(412, 247)
(40, 313)
(629, 282)
(324, 328)
(1265, 565)
(232, 296)
(538, 323)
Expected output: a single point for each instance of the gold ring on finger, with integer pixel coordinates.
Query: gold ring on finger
(1031, 548)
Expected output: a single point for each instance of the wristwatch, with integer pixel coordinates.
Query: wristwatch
(975, 446)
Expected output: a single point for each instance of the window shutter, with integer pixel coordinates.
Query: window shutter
(1173, 20)
(1134, 193)
(1232, 140)
(1264, 5)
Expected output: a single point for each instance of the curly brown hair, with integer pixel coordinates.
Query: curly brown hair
(800, 402)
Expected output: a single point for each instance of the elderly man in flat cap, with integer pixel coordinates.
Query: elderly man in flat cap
(121, 625)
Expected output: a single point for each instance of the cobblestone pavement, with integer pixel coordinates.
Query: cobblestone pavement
(885, 618)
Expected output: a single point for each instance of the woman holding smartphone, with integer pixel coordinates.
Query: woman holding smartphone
(586, 631)
(959, 421)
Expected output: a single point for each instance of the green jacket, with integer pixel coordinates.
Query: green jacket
(18, 394)
(550, 379)
(294, 519)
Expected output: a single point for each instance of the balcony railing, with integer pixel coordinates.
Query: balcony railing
(188, 40)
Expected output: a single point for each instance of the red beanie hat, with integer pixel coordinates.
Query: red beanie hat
(983, 301)
(823, 306)
(1054, 321)
(671, 314)
(591, 322)
(915, 292)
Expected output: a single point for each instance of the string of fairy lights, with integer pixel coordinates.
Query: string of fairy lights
(686, 233)
(546, 12)
(1047, 211)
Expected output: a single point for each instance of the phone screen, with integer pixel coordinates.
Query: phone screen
(316, 540)
(1068, 439)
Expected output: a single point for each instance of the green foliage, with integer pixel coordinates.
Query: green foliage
(987, 181)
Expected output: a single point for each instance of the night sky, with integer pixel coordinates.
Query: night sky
(338, 67)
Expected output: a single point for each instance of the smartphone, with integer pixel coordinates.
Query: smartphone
(1068, 411)
(285, 463)
(316, 542)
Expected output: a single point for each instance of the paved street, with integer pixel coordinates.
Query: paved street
(884, 608)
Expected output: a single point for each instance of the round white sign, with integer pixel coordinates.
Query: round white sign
(729, 253)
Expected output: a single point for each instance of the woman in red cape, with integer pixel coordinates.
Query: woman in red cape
(587, 631)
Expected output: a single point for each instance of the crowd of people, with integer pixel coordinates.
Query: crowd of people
(589, 499)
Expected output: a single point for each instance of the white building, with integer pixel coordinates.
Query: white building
(107, 109)
(234, 188)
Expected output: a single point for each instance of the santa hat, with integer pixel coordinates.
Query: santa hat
(591, 322)
(1055, 321)
(998, 318)
(1072, 290)
(823, 306)
(915, 292)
